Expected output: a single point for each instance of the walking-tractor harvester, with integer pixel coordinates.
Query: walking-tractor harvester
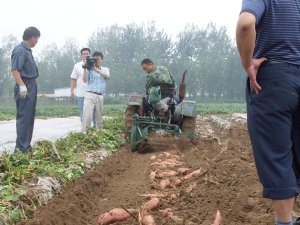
(160, 122)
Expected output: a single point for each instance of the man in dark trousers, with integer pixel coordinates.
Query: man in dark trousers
(268, 39)
(25, 72)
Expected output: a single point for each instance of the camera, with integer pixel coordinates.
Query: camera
(89, 63)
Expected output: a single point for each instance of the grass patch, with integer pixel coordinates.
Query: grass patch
(51, 111)
(61, 111)
(221, 108)
(18, 169)
(62, 160)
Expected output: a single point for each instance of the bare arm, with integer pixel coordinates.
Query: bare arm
(84, 78)
(17, 76)
(103, 74)
(245, 39)
(72, 85)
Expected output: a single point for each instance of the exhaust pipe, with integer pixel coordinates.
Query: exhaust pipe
(182, 88)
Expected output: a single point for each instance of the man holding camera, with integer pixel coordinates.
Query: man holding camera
(95, 75)
(25, 71)
(77, 80)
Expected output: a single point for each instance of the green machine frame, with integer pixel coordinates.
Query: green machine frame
(142, 126)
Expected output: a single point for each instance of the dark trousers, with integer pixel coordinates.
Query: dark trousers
(25, 115)
(274, 128)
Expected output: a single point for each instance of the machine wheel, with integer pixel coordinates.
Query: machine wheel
(130, 111)
(133, 138)
(188, 126)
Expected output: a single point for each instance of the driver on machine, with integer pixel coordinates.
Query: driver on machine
(160, 88)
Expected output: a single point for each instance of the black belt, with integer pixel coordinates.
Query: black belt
(95, 93)
(28, 78)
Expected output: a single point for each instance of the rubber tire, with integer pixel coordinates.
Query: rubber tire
(188, 126)
(133, 138)
(130, 111)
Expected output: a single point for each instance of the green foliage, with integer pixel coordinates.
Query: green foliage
(221, 108)
(63, 160)
(209, 55)
(51, 111)
(6, 80)
(44, 111)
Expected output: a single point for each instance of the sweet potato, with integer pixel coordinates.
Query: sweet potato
(155, 195)
(114, 215)
(164, 184)
(153, 157)
(151, 204)
(193, 174)
(152, 175)
(148, 220)
(170, 154)
(164, 154)
(166, 212)
(166, 164)
(173, 196)
(158, 163)
(175, 182)
(183, 170)
(191, 187)
(169, 173)
(171, 161)
(218, 218)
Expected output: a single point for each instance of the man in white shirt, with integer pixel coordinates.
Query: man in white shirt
(77, 80)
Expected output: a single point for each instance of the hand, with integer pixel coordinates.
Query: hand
(72, 93)
(96, 70)
(23, 91)
(252, 70)
(84, 65)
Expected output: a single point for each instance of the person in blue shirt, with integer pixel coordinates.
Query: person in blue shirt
(96, 85)
(268, 39)
(24, 71)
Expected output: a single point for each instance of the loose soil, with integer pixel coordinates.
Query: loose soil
(229, 185)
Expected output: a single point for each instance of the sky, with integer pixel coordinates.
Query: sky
(59, 20)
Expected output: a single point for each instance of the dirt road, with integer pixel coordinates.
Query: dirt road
(229, 184)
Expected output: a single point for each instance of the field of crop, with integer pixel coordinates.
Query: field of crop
(180, 183)
(65, 159)
(221, 108)
(51, 111)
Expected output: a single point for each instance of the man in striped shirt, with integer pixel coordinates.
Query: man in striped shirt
(268, 39)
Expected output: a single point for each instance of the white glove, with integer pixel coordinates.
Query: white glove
(23, 91)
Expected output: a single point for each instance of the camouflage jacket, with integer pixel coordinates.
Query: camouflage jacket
(159, 75)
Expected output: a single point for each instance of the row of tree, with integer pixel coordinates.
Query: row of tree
(209, 55)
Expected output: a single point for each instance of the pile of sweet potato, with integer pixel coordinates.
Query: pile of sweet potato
(120, 214)
(168, 175)
(169, 171)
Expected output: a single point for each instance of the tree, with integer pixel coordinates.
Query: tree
(48, 71)
(55, 65)
(209, 55)
(6, 79)
(125, 47)
(206, 53)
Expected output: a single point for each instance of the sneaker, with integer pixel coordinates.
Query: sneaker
(297, 221)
